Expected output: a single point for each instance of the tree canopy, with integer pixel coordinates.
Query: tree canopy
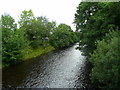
(93, 20)
(33, 32)
(98, 24)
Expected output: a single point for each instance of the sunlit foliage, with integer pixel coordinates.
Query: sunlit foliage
(33, 33)
(63, 36)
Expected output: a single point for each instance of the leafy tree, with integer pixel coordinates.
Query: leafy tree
(13, 41)
(93, 21)
(8, 25)
(47, 27)
(106, 59)
(26, 18)
(63, 36)
(33, 32)
(38, 32)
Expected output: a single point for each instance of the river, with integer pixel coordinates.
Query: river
(65, 68)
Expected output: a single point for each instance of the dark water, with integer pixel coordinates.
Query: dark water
(58, 69)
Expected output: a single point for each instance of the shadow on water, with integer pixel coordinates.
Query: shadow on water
(65, 68)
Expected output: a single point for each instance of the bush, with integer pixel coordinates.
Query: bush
(106, 59)
(12, 48)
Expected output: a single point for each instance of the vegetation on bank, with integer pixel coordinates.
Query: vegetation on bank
(30, 53)
(63, 36)
(106, 59)
(98, 24)
(35, 36)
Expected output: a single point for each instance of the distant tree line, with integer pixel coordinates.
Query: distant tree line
(98, 24)
(33, 32)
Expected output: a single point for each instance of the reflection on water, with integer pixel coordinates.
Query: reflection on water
(57, 69)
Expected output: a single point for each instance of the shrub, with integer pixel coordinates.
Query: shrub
(106, 59)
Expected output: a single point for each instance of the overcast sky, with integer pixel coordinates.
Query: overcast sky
(61, 11)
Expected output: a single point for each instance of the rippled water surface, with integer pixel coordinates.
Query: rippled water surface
(57, 69)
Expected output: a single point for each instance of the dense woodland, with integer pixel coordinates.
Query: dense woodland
(33, 33)
(99, 27)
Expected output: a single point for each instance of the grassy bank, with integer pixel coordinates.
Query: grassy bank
(32, 53)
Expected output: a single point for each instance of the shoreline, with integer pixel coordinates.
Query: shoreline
(32, 53)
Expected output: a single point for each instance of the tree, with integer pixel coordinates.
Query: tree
(26, 18)
(63, 36)
(93, 21)
(106, 59)
(8, 25)
(38, 31)
(13, 41)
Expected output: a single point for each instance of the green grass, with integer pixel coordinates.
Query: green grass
(32, 53)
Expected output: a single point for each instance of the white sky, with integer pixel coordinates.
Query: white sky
(61, 11)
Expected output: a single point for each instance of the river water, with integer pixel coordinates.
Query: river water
(65, 68)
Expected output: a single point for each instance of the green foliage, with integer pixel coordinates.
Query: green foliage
(8, 25)
(63, 36)
(93, 21)
(38, 51)
(26, 18)
(12, 41)
(12, 48)
(106, 59)
(38, 32)
(32, 38)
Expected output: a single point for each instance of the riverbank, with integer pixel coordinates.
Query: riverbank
(32, 53)
(49, 70)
